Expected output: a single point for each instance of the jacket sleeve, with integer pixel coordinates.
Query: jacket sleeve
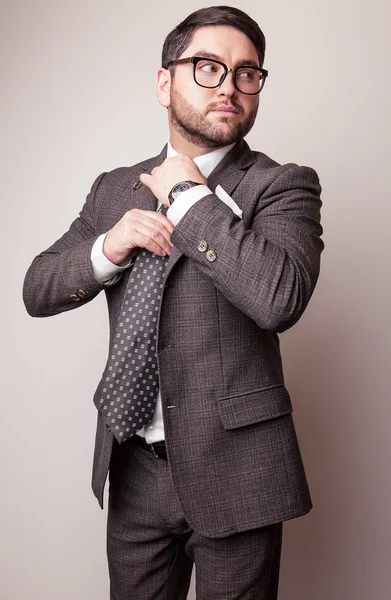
(268, 266)
(61, 277)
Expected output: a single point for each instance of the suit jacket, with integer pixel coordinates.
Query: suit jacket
(230, 436)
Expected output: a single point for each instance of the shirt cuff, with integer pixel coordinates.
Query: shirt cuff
(185, 201)
(104, 270)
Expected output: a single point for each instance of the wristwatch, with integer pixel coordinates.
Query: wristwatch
(180, 187)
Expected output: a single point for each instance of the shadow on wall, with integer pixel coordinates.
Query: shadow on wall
(318, 561)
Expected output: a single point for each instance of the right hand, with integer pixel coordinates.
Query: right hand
(138, 229)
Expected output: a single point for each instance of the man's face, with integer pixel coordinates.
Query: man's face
(194, 111)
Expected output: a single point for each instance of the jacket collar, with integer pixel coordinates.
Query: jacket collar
(231, 170)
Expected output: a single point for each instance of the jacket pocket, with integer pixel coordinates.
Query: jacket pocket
(254, 406)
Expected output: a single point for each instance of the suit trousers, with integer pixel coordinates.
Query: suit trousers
(151, 548)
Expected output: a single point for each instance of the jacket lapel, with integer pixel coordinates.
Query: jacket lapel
(142, 196)
(231, 170)
(135, 195)
(132, 193)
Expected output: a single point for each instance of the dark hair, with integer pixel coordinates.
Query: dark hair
(179, 38)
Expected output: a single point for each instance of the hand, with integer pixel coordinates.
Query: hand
(138, 229)
(171, 171)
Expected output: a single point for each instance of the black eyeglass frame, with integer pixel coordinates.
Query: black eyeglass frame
(196, 59)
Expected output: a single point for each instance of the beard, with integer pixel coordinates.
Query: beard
(194, 127)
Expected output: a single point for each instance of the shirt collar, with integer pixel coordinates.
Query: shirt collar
(205, 162)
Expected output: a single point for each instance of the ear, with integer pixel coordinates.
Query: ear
(163, 87)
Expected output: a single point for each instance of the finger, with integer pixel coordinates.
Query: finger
(147, 180)
(158, 216)
(152, 240)
(150, 217)
(149, 233)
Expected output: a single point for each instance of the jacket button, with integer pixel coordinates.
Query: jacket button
(75, 298)
(202, 246)
(137, 185)
(108, 427)
(82, 294)
(211, 255)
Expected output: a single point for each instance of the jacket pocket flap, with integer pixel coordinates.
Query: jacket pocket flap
(253, 407)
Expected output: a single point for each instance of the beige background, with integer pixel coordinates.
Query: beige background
(77, 99)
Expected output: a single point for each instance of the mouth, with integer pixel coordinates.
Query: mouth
(225, 111)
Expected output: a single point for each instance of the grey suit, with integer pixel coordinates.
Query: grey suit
(231, 442)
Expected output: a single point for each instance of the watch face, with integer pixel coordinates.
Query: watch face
(179, 188)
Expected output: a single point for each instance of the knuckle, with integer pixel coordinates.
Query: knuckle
(147, 239)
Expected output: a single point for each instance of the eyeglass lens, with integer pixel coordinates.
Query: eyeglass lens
(209, 74)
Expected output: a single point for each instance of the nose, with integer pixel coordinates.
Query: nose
(227, 88)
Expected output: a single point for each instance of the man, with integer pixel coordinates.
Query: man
(193, 416)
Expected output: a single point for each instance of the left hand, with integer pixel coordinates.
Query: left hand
(173, 170)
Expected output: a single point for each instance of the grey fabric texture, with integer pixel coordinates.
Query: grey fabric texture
(231, 442)
(151, 548)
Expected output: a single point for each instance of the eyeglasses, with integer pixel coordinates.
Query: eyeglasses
(210, 73)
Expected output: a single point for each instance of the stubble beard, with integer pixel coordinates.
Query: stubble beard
(195, 128)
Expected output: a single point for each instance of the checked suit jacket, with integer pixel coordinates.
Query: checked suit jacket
(231, 441)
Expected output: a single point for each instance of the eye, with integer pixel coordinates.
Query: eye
(247, 75)
(207, 67)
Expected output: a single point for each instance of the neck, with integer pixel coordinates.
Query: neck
(183, 146)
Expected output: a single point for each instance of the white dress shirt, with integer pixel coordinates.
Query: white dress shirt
(108, 273)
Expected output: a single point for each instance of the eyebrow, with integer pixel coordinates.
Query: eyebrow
(206, 54)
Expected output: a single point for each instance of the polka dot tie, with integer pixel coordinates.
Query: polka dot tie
(132, 380)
